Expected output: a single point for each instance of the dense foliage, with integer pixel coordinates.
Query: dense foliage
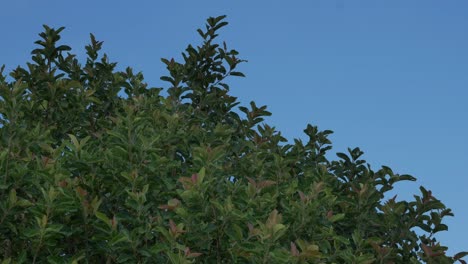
(96, 167)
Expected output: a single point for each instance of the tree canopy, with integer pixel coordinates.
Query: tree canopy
(97, 167)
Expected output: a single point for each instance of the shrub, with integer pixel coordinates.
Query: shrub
(89, 175)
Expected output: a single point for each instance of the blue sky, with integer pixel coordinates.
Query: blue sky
(389, 77)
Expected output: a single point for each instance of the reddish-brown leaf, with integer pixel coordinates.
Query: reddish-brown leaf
(186, 182)
(63, 184)
(302, 196)
(252, 181)
(194, 178)
(114, 222)
(294, 250)
(265, 183)
(172, 227)
(81, 192)
(189, 254)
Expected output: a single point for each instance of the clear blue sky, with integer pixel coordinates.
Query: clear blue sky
(389, 76)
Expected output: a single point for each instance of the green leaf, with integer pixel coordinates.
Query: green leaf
(118, 239)
(200, 32)
(337, 217)
(343, 156)
(234, 73)
(78, 258)
(407, 177)
(167, 79)
(460, 255)
(24, 203)
(103, 218)
(278, 227)
(75, 142)
(12, 198)
(201, 175)
(440, 227)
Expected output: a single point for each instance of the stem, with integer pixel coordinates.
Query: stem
(7, 164)
(265, 257)
(38, 246)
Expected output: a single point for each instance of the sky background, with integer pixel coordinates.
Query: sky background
(389, 76)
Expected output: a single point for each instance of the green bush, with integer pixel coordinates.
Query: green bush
(90, 176)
